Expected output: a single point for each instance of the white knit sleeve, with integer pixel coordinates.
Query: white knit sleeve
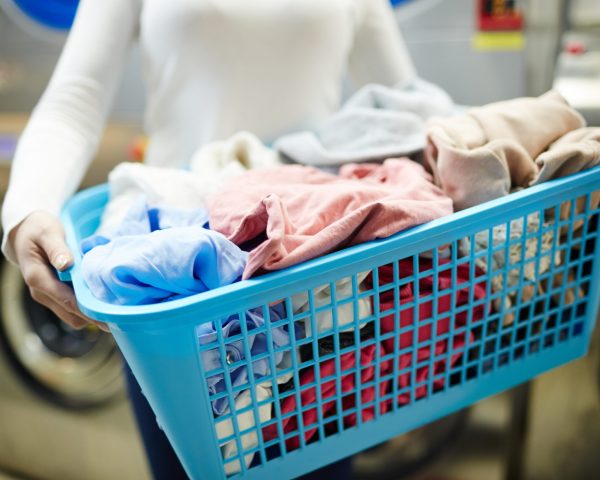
(379, 54)
(66, 126)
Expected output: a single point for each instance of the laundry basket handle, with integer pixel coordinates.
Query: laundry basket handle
(64, 275)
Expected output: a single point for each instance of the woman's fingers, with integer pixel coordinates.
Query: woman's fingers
(74, 321)
(101, 326)
(39, 245)
(40, 278)
(42, 234)
(31, 238)
(52, 242)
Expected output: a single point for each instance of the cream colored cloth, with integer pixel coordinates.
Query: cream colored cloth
(575, 151)
(516, 257)
(217, 162)
(160, 186)
(571, 153)
(492, 150)
(210, 167)
(345, 311)
(244, 421)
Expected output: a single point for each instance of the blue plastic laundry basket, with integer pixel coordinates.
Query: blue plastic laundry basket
(545, 330)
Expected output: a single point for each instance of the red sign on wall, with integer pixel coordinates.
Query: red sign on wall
(499, 15)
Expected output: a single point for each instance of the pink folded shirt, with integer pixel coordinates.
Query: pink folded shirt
(302, 212)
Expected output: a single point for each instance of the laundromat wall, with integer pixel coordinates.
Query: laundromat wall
(439, 34)
(27, 58)
(440, 39)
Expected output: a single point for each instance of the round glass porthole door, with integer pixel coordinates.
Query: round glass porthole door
(70, 368)
(53, 14)
(46, 20)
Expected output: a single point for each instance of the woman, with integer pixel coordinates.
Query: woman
(211, 68)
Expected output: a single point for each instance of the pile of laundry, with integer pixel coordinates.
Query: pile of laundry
(244, 209)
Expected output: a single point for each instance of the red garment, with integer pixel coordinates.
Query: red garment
(444, 304)
(405, 360)
(308, 396)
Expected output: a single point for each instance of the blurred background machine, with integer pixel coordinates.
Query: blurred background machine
(447, 46)
(63, 412)
(62, 408)
(578, 64)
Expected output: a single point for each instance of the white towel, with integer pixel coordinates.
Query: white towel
(345, 311)
(244, 421)
(210, 167)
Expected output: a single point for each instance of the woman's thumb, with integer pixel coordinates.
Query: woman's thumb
(53, 243)
(62, 260)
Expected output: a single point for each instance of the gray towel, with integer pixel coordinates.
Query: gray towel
(377, 122)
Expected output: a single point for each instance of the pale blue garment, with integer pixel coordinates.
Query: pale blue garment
(141, 219)
(159, 254)
(234, 351)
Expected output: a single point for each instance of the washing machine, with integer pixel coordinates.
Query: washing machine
(63, 409)
(577, 74)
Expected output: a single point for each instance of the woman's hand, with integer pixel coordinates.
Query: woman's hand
(39, 245)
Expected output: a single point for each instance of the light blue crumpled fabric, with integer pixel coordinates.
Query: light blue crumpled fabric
(234, 351)
(159, 254)
(142, 219)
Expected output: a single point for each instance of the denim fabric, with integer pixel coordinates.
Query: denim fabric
(236, 364)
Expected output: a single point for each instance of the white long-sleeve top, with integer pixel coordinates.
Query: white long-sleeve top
(211, 68)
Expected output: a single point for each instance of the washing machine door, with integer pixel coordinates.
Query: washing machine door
(68, 367)
(71, 368)
(53, 15)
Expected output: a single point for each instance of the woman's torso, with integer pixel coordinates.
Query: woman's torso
(214, 67)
